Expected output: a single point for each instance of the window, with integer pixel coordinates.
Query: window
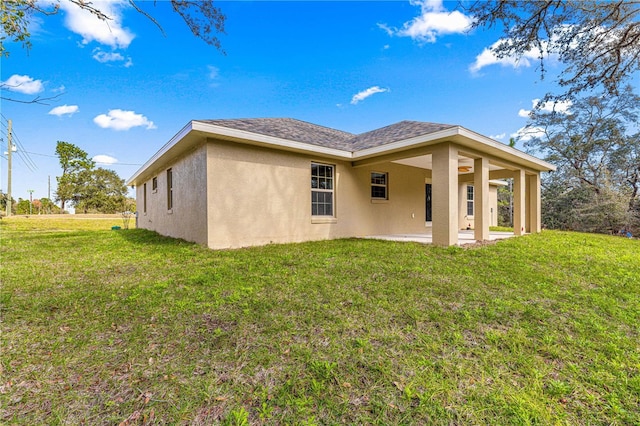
(144, 198)
(469, 200)
(154, 184)
(321, 190)
(169, 189)
(379, 185)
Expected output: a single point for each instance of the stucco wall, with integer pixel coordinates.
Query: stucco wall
(187, 218)
(463, 220)
(259, 196)
(493, 205)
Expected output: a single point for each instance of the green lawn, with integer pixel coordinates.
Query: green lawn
(127, 327)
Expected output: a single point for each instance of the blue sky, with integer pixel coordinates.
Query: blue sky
(125, 89)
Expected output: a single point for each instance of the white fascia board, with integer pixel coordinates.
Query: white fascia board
(504, 148)
(166, 147)
(478, 141)
(271, 141)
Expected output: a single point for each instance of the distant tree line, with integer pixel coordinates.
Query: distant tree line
(24, 206)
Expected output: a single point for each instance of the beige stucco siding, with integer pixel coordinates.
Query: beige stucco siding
(187, 218)
(466, 221)
(260, 196)
(493, 205)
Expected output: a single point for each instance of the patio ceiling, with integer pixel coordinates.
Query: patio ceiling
(425, 162)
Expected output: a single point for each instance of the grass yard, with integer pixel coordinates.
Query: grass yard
(127, 327)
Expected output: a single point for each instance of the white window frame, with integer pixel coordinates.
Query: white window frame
(323, 190)
(170, 189)
(385, 185)
(470, 200)
(144, 198)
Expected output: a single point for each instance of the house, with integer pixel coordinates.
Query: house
(236, 183)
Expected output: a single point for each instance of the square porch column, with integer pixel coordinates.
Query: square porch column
(445, 195)
(482, 211)
(535, 211)
(519, 201)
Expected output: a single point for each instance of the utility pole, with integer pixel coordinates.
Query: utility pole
(9, 152)
(30, 191)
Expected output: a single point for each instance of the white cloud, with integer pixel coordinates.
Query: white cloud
(118, 119)
(23, 84)
(104, 57)
(64, 110)
(104, 159)
(360, 96)
(526, 133)
(91, 28)
(434, 20)
(488, 57)
(561, 107)
(499, 136)
(213, 72)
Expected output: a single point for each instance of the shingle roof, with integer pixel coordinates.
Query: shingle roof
(394, 133)
(301, 131)
(290, 129)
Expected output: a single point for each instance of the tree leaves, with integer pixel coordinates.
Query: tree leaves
(598, 42)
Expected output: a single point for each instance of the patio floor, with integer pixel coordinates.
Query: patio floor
(464, 237)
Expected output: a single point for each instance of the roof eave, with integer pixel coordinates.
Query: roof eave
(463, 137)
(175, 140)
(194, 130)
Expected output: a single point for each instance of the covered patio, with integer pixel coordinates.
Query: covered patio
(464, 237)
(456, 155)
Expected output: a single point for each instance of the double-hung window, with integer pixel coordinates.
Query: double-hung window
(322, 184)
(379, 182)
(469, 200)
(144, 198)
(169, 189)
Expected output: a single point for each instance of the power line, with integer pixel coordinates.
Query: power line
(21, 151)
(97, 162)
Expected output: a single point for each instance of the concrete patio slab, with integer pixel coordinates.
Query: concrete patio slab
(464, 237)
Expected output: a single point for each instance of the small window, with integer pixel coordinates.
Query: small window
(154, 184)
(322, 176)
(469, 200)
(379, 185)
(169, 189)
(144, 198)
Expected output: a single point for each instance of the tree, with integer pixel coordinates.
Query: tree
(203, 18)
(596, 186)
(48, 206)
(3, 203)
(24, 207)
(505, 205)
(598, 42)
(103, 192)
(76, 167)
